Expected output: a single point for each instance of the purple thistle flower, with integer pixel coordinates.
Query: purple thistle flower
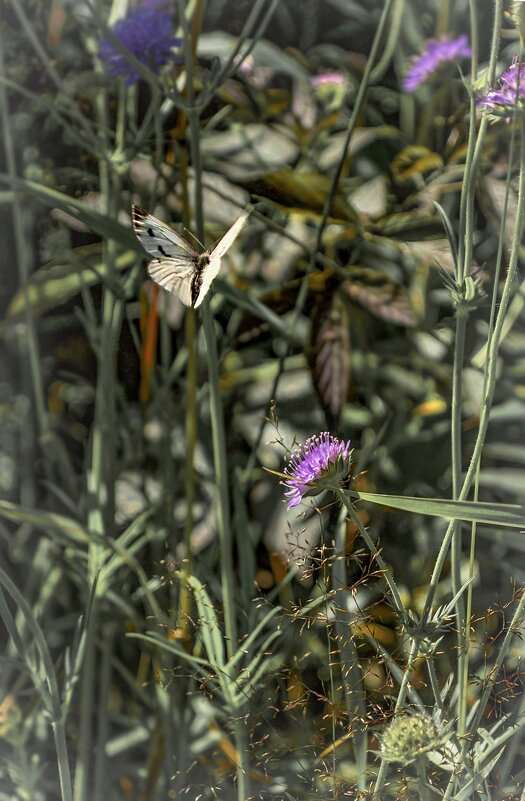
(147, 33)
(435, 53)
(322, 461)
(511, 92)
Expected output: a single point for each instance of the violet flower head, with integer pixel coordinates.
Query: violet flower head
(320, 463)
(147, 33)
(435, 53)
(510, 93)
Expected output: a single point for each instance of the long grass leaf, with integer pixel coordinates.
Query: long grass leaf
(47, 521)
(497, 514)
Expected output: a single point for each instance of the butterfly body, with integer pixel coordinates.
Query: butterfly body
(176, 265)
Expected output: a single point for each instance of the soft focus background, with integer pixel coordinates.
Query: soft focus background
(170, 629)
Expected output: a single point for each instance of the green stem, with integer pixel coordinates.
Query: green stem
(457, 464)
(23, 253)
(185, 594)
(512, 630)
(47, 65)
(390, 45)
(354, 117)
(228, 584)
(101, 473)
(463, 677)
(235, 57)
(400, 702)
(351, 677)
(51, 699)
(86, 702)
(422, 778)
(240, 734)
(100, 771)
(217, 416)
(491, 377)
(463, 269)
(385, 570)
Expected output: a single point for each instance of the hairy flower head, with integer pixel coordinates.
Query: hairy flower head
(510, 93)
(147, 33)
(320, 463)
(408, 737)
(435, 53)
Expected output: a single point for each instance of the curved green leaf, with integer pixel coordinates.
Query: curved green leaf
(497, 514)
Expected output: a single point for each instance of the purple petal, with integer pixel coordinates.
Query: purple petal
(435, 53)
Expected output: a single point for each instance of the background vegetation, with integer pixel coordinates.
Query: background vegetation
(170, 628)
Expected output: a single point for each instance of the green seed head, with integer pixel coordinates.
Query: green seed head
(407, 737)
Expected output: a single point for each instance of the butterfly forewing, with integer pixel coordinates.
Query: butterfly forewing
(157, 238)
(224, 244)
(216, 253)
(177, 266)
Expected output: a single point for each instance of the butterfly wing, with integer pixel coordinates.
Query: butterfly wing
(177, 274)
(215, 254)
(157, 238)
(175, 262)
(224, 244)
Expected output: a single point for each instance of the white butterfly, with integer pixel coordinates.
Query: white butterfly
(176, 265)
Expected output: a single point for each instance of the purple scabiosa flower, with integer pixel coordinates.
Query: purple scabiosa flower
(510, 93)
(436, 52)
(147, 33)
(320, 463)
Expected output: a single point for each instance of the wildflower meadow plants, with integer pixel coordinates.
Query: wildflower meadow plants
(269, 547)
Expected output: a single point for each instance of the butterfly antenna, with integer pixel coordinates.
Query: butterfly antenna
(195, 239)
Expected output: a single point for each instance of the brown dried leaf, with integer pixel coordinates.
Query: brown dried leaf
(330, 355)
(381, 296)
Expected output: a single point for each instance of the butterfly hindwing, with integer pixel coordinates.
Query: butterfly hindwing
(176, 276)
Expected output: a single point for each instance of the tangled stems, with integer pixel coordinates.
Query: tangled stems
(397, 602)
(385, 570)
(218, 428)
